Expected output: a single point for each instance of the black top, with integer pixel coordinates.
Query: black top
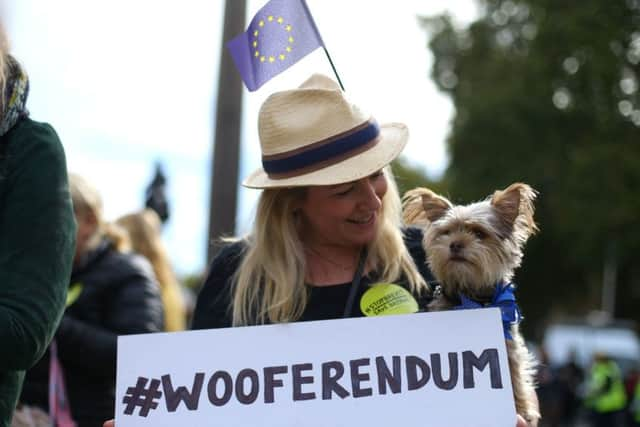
(117, 295)
(325, 302)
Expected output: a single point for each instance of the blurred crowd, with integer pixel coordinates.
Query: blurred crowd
(597, 395)
(121, 282)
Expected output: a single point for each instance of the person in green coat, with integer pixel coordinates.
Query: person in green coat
(37, 233)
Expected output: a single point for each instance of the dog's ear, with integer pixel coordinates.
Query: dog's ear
(421, 206)
(514, 206)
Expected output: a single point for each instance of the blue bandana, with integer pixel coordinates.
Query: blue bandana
(505, 300)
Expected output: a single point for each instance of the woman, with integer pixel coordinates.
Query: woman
(328, 203)
(111, 293)
(327, 224)
(144, 230)
(37, 233)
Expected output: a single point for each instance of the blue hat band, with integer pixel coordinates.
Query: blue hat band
(322, 154)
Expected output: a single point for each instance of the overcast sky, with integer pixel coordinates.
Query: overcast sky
(129, 82)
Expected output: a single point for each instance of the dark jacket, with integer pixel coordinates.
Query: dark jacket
(37, 238)
(325, 302)
(118, 295)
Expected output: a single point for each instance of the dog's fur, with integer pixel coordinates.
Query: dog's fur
(470, 249)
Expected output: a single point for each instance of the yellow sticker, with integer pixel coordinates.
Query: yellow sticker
(387, 298)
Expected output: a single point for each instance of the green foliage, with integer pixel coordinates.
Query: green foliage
(409, 176)
(546, 92)
(193, 282)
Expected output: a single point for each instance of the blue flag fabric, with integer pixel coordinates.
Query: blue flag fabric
(279, 35)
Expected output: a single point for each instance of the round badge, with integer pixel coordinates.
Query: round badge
(387, 298)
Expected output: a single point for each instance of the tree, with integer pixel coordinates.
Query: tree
(546, 92)
(409, 176)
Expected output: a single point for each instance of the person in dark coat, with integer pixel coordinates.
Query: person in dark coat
(111, 293)
(37, 233)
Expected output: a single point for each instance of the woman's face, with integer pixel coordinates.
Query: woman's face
(344, 214)
(87, 225)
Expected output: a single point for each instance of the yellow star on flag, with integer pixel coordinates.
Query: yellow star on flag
(265, 50)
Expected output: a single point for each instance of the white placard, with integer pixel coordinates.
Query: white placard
(426, 369)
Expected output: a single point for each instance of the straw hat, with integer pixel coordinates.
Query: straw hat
(313, 136)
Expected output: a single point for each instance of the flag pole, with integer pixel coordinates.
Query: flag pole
(313, 22)
(334, 68)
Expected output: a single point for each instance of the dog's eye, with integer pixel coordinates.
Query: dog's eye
(479, 234)
(444, 232)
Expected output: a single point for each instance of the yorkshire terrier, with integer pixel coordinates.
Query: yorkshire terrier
(473, 251)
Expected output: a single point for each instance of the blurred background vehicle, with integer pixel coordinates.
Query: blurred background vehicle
(580, 339)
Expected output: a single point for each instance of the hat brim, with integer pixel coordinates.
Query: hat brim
(393, 138)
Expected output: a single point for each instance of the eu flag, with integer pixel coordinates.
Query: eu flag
(279, 35)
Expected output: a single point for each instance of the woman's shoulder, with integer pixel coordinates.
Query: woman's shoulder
(27, 124)
(113, 267)
(225, 264)
(413, 241)
(27, 134)
(230, 253)
(33, 148)
(132, 263)
(214, 298)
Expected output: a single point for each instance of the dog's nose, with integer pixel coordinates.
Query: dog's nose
(456, 247)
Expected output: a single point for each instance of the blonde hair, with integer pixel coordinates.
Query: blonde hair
(86, 200)
(269, 283)
(144, 229)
